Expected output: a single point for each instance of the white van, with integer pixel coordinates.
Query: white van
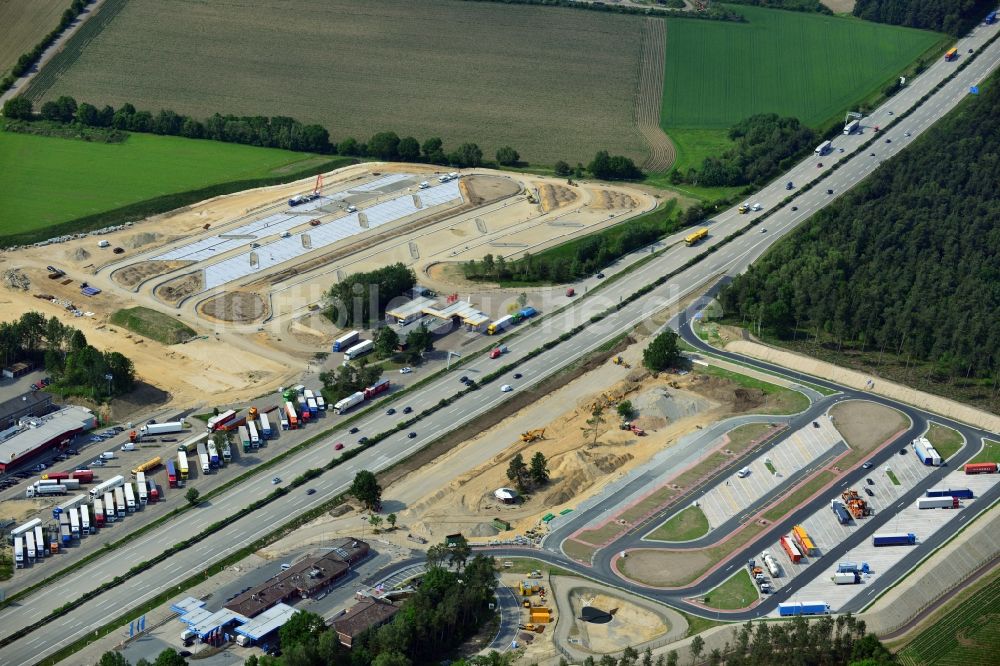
(128, 446)
(107, 455)
(743, 473)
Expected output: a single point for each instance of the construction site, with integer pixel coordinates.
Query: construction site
(251, 269)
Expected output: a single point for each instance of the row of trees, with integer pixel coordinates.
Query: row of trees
(362, 298)
(527, 477)
(582, 257)
(77, 368)
(613, 167)
(347, 379)
(169, 657)
(766, 145)
(954, 17)
(29, 58)
(418, 341)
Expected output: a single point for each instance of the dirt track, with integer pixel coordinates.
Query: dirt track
(649, 95)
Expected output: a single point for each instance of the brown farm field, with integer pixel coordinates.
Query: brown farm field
(23, 23)
(553, 83)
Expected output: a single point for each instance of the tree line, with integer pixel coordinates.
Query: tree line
(28, 59)
(712, 12)
(361, 298)
(766, 145)
(584, 256)
(168, 657)
(955, 17)
(905, 264)
(77, 368)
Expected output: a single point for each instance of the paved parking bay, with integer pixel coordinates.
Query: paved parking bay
(734, 494)
(922, 522)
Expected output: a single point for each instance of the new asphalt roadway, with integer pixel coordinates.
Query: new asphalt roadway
(730, 259)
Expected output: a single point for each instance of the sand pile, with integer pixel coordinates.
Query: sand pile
(79, 254)
(670, 404)
(144, 238)
(14, 279)
(630, 623)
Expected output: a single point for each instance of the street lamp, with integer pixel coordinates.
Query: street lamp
(110, 378)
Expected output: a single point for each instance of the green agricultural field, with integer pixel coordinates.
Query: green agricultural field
(47, 181)
(554, 83)
(806, 65)
(23, 23)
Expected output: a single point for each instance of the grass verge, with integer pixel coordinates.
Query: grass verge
(687, 525)
(990, 452)
(697, 624)
(737, 592)
(525, 565)
(892, 477)
(946, 440)
(153, 324)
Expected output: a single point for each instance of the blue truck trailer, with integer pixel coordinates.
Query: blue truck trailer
(793, 608)
(907, 539)
(838, 509)
(961, 493)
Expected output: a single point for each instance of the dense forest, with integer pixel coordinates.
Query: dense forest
(361, 299)
(77, 368)
(906, 264)
(954, 17)
(766, 145)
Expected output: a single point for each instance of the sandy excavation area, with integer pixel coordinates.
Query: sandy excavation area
(631, 624)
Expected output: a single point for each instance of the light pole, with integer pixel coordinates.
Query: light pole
(110, 378)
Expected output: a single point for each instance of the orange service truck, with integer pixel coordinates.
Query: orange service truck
(951, 54)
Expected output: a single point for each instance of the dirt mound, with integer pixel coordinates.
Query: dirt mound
(181, 287)
(79, 254)
(484, 530)
(241, 307)
(140, 239)
(606, 199)
(578, 470)
(738, 398)
(669, 404)
(481, 190)
(14, 279)
(130, 276)
(555, 196)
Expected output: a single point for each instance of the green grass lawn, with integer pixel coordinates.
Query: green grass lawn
(48, 181)
(892, 477)
(689, 524)
(990, 453)
(800, 64)
(737, 592)
(152, 324)
(946, 440)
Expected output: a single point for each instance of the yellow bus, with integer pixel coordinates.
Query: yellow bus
(693, 238)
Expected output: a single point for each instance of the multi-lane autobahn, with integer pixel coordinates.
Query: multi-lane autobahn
(731, 258)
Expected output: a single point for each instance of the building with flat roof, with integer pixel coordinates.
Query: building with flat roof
(302, 580)
(459, 311)
(37, 434)
(264, 625)
(32, 403)
(361, 617)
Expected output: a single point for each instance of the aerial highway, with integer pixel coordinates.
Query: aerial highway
(730, 259)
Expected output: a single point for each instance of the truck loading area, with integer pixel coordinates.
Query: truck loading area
(908, 518)
(734, 494)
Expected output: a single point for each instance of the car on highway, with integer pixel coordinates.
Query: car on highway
(868, 491)
(906, 134)
(276, 480)
(819, 166)
(390, 411)
(407, 409)
(829, 191)
(517, 375)
(600, 276)
(411, 435)
(353, 430)
(405, 371)
(464, 379)
(362, 440)
(795, 207)
(869, 481)
(888, 140)
(789, 185)
(339, 446)
(763, 231)
(506, 388)
(868, 465)
(311, 491)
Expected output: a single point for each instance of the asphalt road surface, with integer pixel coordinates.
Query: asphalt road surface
(733, 258)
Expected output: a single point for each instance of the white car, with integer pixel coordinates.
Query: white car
(405, 371)
(757, 206)
(506, 388)
(743, 473)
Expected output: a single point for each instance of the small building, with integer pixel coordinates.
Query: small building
(261, 629)
(36, 434)
(17, 370)
(410, 311)
(362, 616)
(506, 495)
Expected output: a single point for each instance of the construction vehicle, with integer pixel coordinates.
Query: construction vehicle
(533, 435)
(618, 360)
(628, 425)
(252, 413)
(531, 195)
(857, 506)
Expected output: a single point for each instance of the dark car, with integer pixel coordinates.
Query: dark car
(362, 440)
(888, 140)
(868, 465)
(311, 491)
(869, 492)
(412, 435)
(517, 375)
(390, 411)
(600, 276)
(902, 452)
(338, 446)
(464, 379)
(815, 424)
(870, 482)
(72, 452)
(789, 185)
(819, 166)
(829, 191)
(795, 207)
(353, 430)
(407, 409)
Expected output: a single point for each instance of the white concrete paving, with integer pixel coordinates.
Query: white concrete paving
(735, 494)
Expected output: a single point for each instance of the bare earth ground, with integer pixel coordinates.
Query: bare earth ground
(133, 274)
(840, 6)
(858, 380)
(648, 96)
(631, 623)
(234, 306)
(865, 425)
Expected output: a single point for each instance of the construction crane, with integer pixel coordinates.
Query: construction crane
(319, 184)
(533, 435)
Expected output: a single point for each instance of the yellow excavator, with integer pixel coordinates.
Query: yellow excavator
(533, 435)
(618, 360)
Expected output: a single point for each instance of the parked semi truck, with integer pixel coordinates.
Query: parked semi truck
(99, 512)
(165, 428)
(938, 503)
(110, 512)
(853, 566)
(843, 517)
(794, 554)
(961, 493)
(771, 564)
(216, 421)
(348, 402)
(803, 540)
(254, 437)
(171, 475)
(265, 427)
(69, 504)
(803, 608)
(981, 468)
(926, 453)
(846, 578)
(74, 522)
(292, 417)
(203, 457)
(65, 532)
(81, 475)
(150, 464)
(213, 455)
(345, 341)
(901, 539)
(381, 386)
(120, 509)
(141, 493)
(110, 484)
(45, 491)
(191, 444)
(227, 453)
(360, 349)
(244, 436)
(182, 465)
